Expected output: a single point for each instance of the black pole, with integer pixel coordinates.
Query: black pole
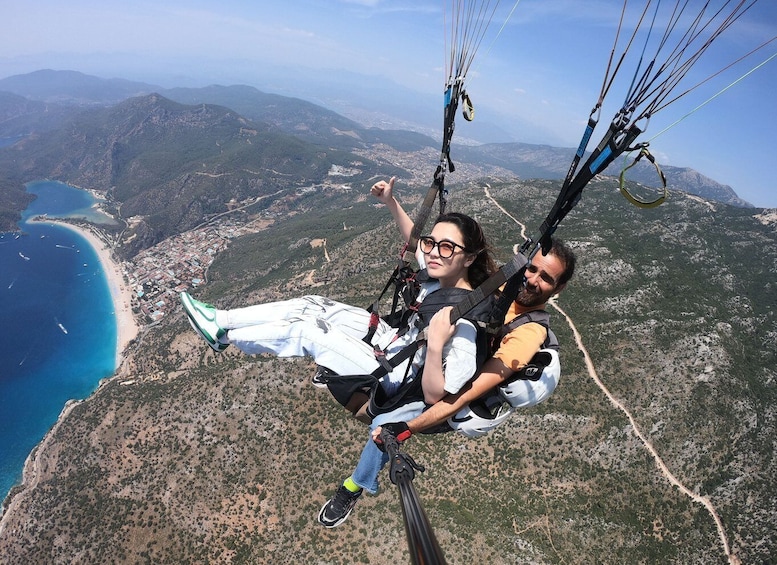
(422, 543)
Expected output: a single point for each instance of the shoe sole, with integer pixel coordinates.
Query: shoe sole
(321, 377)
(217, 347)
(335, 524)
(188, 308)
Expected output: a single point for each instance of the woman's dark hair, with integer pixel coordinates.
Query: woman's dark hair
(474, 242)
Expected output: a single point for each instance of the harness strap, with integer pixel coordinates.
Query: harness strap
(502, 304)
(437, 188)
(614, 142)
(388, 365)
(426, 309)
(537, 316)
(374, 322)
(385, 364)
(401, 278)
(508, 271)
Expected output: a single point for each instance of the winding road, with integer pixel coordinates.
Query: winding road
(662, 467)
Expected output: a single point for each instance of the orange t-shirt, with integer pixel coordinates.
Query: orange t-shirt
(518, 347)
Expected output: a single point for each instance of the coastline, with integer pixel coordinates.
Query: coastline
(127, 328)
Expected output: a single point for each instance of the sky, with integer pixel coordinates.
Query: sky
(537, 73)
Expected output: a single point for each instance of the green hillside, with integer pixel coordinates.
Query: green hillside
(168, 165)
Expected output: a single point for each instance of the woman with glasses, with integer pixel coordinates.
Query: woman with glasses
(455, 255)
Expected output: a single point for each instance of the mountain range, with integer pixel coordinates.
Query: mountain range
(117, 136)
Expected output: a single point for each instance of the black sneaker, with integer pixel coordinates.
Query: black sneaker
(338, 508)
(321, 376)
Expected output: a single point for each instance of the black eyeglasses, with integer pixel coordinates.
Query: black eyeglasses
(445, 248)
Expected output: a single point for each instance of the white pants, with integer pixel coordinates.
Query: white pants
(328, 331)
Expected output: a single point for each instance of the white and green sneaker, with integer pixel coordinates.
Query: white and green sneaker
(202, 317)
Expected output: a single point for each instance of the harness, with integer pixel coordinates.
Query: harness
(407, 283)
(538, 317)
(493, 408)
(411, 390)
(343, 387)
(425, 310)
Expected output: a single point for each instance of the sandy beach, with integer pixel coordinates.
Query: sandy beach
(127, 327)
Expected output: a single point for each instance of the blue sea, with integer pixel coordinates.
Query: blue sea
(57, 320)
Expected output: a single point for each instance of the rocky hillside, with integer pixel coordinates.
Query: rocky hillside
(192, 457)
(169, 166)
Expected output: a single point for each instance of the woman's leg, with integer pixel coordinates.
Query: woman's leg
(351, 320)
(314, 337)
(372, 459)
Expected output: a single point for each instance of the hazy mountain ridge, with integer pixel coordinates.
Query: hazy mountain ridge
(20, 116)
(307, 120)
(74, 88)
(690, 181)
(312, 124)
(191, 457)
(292, 115)
(546, 162)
